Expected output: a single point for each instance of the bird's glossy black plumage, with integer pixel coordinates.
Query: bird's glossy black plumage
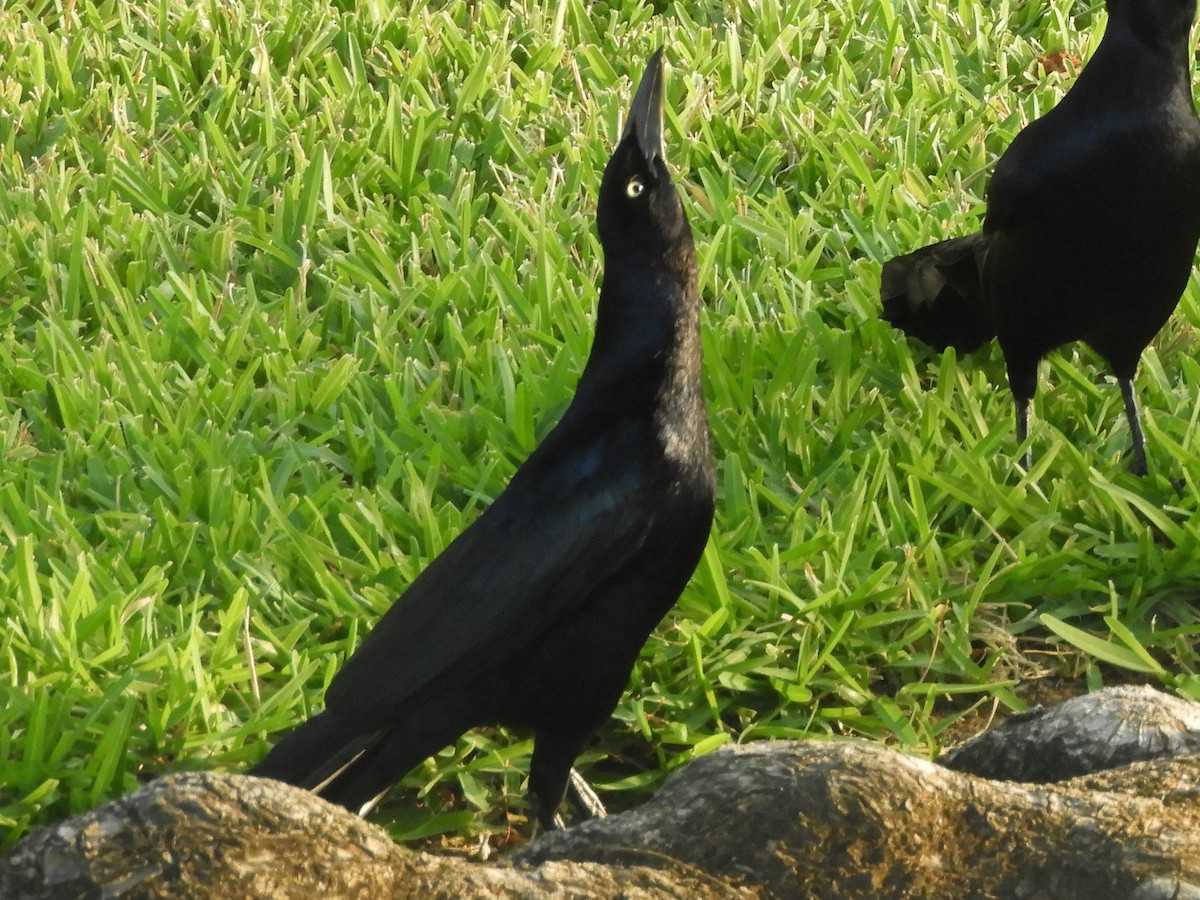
(1092, 220)
(533, 617)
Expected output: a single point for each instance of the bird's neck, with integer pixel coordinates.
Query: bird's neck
(1128, 75)
(1138, 49)
(646, 352)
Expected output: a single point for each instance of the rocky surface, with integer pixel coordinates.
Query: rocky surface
(1109, 728)
(805, 819)
(230, 836)
(851, 820)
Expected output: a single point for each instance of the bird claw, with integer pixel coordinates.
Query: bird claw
(585, 798)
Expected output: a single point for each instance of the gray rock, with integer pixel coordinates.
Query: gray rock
(230, 836)
(844, 820)
(854, 820)
(1109, 728)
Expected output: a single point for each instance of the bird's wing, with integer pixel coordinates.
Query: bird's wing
(1029, 174)
(527, 561)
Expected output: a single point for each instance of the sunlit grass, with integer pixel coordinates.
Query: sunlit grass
(288, 290)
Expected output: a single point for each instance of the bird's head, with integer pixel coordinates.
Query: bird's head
(639, 209)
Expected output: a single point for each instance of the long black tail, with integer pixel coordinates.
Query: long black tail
(314, 753)
(934, 294)
(351, 767)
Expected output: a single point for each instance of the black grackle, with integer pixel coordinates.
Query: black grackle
(1092, 220)
(534, 616)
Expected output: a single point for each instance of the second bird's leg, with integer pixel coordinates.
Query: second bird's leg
(1023, 430)
(1022, 383)
(1138, 467)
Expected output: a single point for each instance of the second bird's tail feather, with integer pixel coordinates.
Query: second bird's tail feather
(934, 295)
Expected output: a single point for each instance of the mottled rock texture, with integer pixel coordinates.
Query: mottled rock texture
(1085, 734)
(776, 819)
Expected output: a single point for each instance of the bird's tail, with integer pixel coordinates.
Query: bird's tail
(315, 753)
(329, 756)
(934, 294)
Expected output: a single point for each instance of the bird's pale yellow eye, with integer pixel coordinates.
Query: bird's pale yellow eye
(634, 188)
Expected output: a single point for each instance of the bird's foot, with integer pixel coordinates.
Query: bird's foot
(1138, 466)
(585, 798)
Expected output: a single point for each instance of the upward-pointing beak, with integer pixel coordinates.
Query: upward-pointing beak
(646, 115)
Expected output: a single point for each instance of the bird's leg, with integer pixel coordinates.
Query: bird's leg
(1022, 382)
(1138, 467)
(583, 797)
(549, 772)
(1023, 430)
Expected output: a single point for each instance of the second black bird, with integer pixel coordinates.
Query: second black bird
(1092, 221)
(534, 616)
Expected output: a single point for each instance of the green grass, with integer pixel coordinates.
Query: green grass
(289, 289)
